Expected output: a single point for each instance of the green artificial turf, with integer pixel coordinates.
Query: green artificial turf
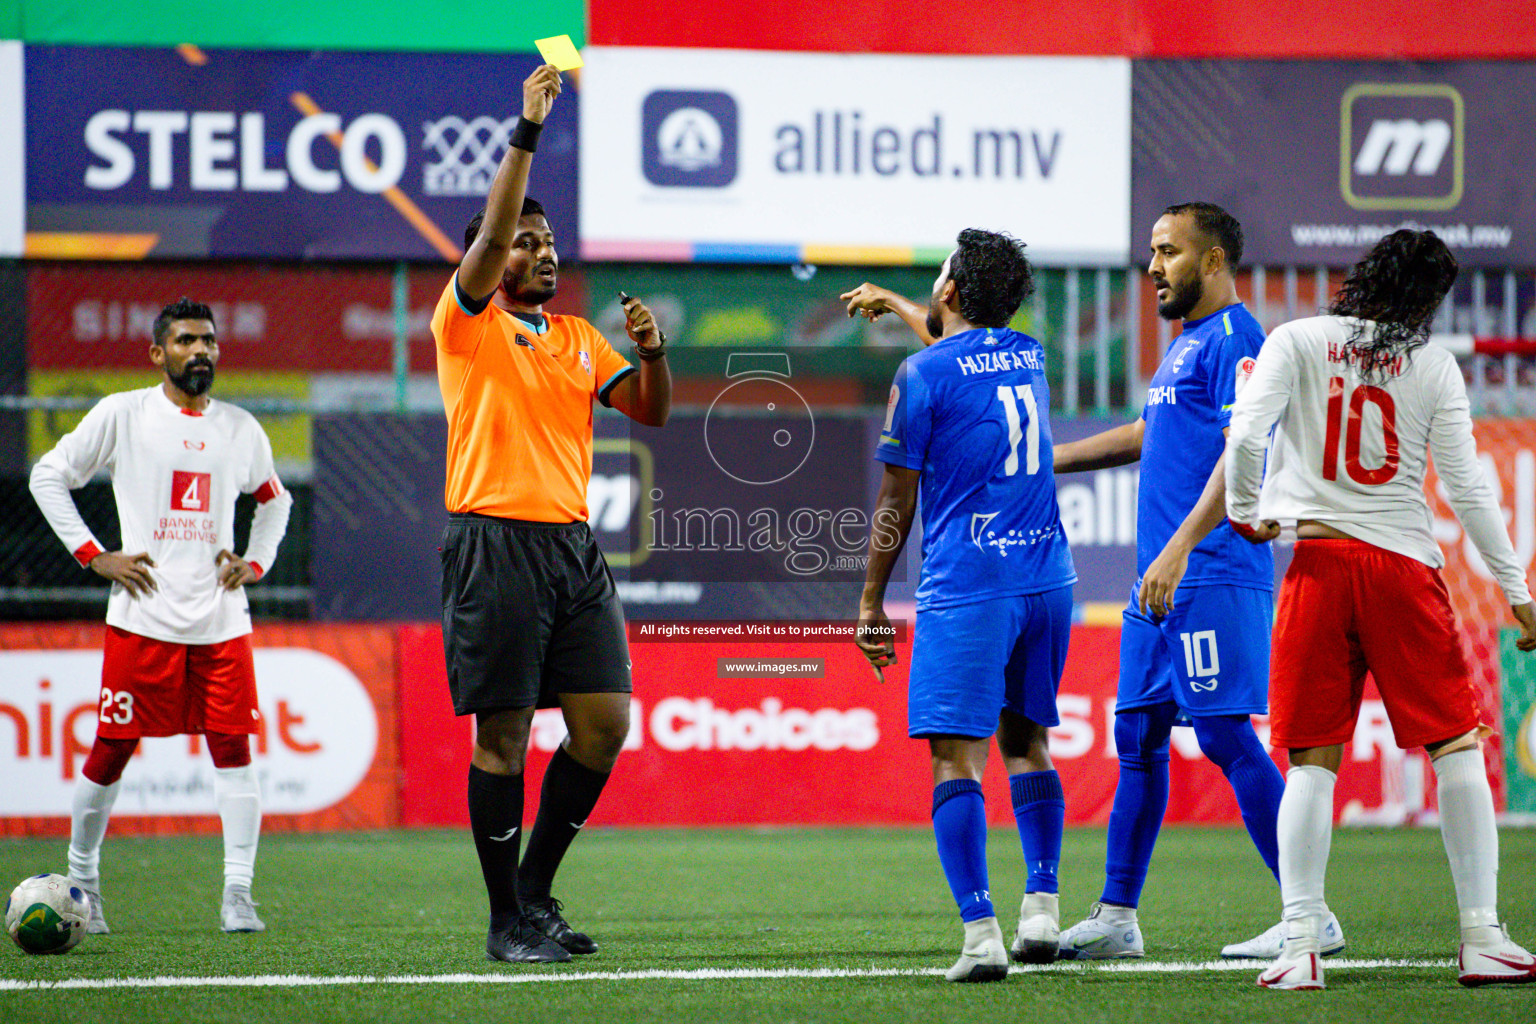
(410, 903)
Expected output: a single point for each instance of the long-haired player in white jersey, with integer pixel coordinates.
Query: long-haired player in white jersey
(178, 647)
(1358, 400)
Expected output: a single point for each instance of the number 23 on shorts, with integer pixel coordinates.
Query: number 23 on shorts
(116, 708)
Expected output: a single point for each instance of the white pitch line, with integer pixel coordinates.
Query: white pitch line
(745, 973)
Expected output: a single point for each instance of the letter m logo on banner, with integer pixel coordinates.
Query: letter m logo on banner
(190, 491)
(1402, 146)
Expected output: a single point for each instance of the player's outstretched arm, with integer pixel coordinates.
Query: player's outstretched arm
(895, 509)
(1118, 446)
(872, 302)
(481, 269)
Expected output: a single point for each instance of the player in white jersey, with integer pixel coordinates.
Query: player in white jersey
(178, 650)
(1358, 400)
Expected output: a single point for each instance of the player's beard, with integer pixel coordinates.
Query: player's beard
(934, 323)
(1181, 299)
(195, 378)
(532, 292)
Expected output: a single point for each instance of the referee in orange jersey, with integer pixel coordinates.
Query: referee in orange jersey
(531, 617)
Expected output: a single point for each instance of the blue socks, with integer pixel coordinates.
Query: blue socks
(960, 826)
(1231, 744)
(1040, 810)
(1141, 796)
(1141, 799)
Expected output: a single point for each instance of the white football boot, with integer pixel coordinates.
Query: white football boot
(1039, 934)
(1108, 933)
(984, 957)
(96, 924)
(1268, 944)
(237, 913)
(1300, 973)
(1497, 963)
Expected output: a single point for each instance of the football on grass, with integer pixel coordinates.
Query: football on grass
(47, 914)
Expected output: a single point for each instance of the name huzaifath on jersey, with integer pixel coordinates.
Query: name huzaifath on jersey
(970, 412)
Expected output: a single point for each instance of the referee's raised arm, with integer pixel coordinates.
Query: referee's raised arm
(482, 267)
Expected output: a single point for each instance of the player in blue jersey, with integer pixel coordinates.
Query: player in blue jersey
(1194, 647)
(967, 429)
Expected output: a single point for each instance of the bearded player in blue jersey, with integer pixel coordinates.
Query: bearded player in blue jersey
(967, 428)
(1194, 647)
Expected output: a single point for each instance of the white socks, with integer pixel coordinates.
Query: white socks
(1471, 842)
(88, 827)
(238, 795)
(1305, 833)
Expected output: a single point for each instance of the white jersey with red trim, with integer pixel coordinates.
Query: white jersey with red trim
(1353, 454)
(175, 475)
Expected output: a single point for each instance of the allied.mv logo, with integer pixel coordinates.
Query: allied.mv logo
(688, 138)
(1402, 146)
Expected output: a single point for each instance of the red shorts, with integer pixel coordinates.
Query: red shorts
(157, 688)
(1348, 608)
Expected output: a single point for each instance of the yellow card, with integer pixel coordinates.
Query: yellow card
(559, 51)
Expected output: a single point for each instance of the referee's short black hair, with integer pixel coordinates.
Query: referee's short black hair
(992, 274)
(1217, 225)
(182, 309)
(531, 208)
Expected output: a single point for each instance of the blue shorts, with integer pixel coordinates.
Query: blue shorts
(1210, 655)
(971, 661)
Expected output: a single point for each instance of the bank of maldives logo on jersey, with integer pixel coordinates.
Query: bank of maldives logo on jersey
(688, 138)
(1402, 146)
(190, 491)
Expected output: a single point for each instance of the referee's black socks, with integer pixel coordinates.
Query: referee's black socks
(496, 820)
(570, 792)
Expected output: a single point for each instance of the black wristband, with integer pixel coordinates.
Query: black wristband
(526, 135)
(652, 354)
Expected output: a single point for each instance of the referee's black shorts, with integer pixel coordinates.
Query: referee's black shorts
(529, 612)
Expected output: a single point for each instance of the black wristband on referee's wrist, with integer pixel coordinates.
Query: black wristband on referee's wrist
(526, 135)
(652, 354)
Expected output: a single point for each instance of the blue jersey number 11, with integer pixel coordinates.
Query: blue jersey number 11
(1017, 431)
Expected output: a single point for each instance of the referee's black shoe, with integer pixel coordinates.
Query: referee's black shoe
(544, 915)
(523, 944)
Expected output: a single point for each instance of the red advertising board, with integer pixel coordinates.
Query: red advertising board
(1132, 28)
(706, 750)
(320, 319)
(325, 756)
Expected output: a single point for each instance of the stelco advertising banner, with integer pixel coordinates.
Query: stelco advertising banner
(135, 153)
(748, 731)
(325, 752)
(778, 157)
(1320, 159)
